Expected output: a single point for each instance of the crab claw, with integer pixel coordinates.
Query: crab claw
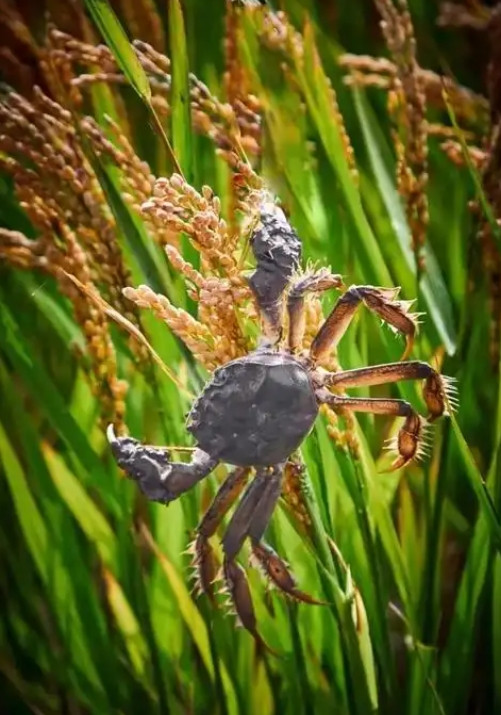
(439, 393)
(277, 570)
(238, 587)
(409, 442)
(128, 451)
(158, 478)
(123, 448)
(110, 433)
(146, 464)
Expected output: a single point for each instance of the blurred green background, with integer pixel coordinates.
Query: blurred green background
(97, 614)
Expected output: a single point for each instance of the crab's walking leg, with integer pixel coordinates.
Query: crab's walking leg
(438, 390)
(381, 301)
(204, 558)
(273, 566)
(271, 563)
(259, 499)
(251, 519)
(276, 569)
(157, 477)
(409, 442)
(311, 283)
(257, 504)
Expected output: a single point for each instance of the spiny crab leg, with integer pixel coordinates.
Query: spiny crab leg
(382, 301)
(317, 282)
(410, 441)
(204, 559)
(277, 570)
(251, 519)
(268, 560)
(438, 390)
(260, 497)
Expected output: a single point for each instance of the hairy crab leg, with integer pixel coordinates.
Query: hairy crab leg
(278, 571)
(438, 390)
(272, 565)
(310, 283)
(204, 559)
(381, 301)
(238, 588)
(157, 477)
(259, 498)
(251, 519)
(410, 440)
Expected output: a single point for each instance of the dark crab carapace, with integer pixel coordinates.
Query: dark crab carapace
(256, 410)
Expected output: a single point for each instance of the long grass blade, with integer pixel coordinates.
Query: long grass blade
(118, 42)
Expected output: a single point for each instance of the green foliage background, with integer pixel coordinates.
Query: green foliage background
(97, 619)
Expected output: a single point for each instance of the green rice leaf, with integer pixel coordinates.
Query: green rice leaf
(434, 290)
(88, 516)
(54, 576)
(45, 392)
(180, 90)
(478, 485)
(118, 42)
(191, 617)
(128, 625)
(318, 95)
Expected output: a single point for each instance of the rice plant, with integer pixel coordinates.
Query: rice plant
(137, 141)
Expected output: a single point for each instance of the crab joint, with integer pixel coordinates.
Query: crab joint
(310, 282)
(396, 313)
(382, 301)
(439, 393)
(276, 569)
(409, 442)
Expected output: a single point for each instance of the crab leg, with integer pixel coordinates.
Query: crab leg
(277, 570)
(157, 477)
(256, 506)
(311, 283)
(273, 566)
(204, 559)
(437, 391)
(260, 497)
(381, 301)
(409, 442)
(251, 519)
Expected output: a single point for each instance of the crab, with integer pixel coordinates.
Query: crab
(256, 410)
